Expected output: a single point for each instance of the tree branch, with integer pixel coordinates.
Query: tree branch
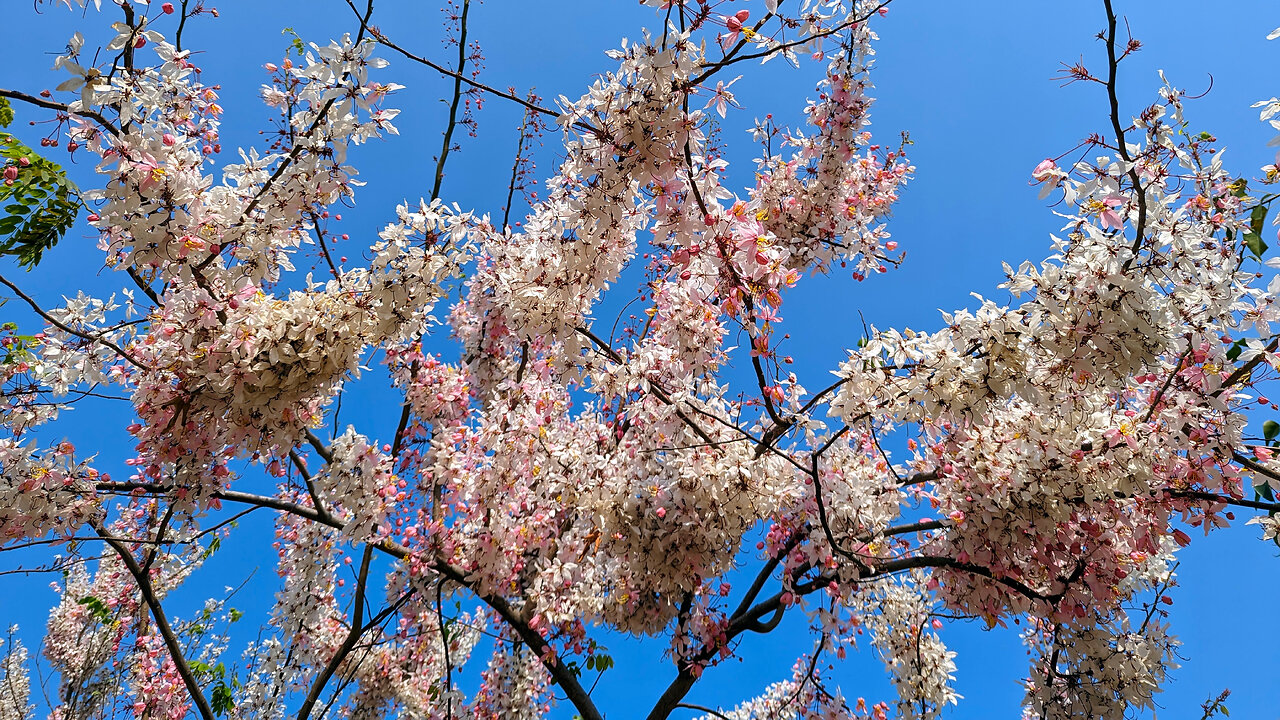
(141, 578)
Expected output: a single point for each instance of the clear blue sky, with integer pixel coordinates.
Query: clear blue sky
(971, 83)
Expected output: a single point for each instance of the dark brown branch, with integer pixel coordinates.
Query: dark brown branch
(703, 709)
(563, 677)
(98, 339)
(444, 644)
(1113, 62)
(732, 58)
(455, 101)
(323, 450)
(143, 581)
(59, 107)
(348, 644)
(459, 76)
(656, 391)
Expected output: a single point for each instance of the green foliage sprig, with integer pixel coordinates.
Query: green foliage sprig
(40, 203)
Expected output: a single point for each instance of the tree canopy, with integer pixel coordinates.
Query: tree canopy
(597, 425)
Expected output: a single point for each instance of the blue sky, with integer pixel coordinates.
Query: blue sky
(972, 84)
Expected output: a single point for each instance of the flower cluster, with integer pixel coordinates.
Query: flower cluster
(15, 680)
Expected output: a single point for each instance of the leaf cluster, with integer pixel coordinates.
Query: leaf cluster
(39, 206)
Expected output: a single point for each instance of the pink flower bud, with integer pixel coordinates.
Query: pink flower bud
(11, 173)
(167, 8)
(168, 140)
(1044, 170)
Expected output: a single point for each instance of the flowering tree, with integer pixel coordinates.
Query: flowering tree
(560, 476)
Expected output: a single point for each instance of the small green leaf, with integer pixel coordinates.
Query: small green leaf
(1264, 492)
(213, 548)
(98, 608)
(1258, 219)
(221, 701)
(1270, 429)
(1236, 348)
(1254, 242)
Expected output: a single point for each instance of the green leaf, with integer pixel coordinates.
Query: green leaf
(1264, 492)
(1236, 348)
(1253, 238)
(6, 112)
(1254, 242)
(98, 608)
(1270, 429)
(222, 702)
(42, 203)
(1258, 219)
(213, 548)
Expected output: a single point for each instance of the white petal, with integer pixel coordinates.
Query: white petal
(70, 84)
